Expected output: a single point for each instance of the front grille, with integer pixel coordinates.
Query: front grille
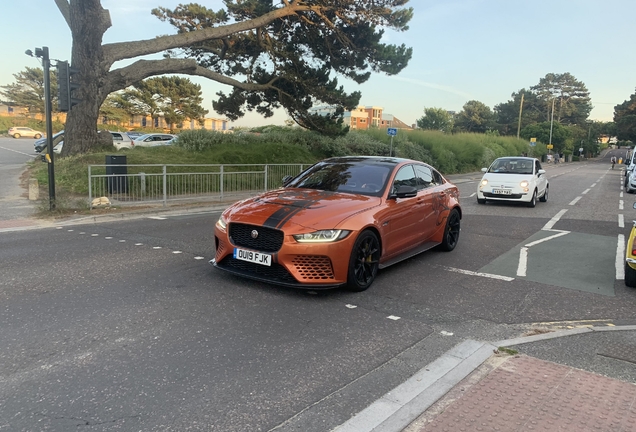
(511, 196)
(268, 240)
(313, 267)
(273, 273)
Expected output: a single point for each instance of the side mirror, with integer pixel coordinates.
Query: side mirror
(634, 206)
(404, 192)
(484, 170)
(541, 171)
(287, 179)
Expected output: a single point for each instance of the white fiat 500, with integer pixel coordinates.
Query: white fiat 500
(513, 179)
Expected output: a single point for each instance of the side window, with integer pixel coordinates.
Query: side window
(437, 178)
(537, 166)
(404, 177)
(117, 137)
(424, 177)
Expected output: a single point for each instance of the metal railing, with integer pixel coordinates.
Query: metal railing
(138, 184)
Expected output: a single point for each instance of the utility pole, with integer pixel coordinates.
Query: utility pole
(520, 110)
(552, 121)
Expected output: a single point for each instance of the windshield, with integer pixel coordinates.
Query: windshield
(352, 177)
(511, 166)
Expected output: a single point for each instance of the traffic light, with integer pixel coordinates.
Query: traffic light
(65, 86)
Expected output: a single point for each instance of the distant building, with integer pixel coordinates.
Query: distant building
(365, 117)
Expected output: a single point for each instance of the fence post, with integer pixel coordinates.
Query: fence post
(165, 189)
(221, 182)
(265, 178)
(90, 189)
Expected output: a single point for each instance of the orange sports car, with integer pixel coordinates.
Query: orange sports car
(338, 222)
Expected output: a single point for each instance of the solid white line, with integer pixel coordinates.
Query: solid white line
(620, 204)
(157, 217)
(585, 191)
(620, 256)
(487, 275)
(575, 200)
(16, 151)
(536, 242)
(523, 262)
(554, 220)
(621, 221)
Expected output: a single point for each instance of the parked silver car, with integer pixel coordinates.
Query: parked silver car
(26, 132)
(153, 140)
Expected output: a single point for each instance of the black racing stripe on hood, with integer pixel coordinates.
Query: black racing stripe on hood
(286, 212)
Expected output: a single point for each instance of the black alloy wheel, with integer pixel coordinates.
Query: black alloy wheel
(363, 263)
(533, 201)
(451, 232)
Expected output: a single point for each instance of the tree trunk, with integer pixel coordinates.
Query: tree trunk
(89, 22)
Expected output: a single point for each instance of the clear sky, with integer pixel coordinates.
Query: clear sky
(462, 50)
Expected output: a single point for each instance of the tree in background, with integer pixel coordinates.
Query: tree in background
(436, 119)
(113, 110)
(175, 98)
(28, 91)
(569, 96)
(541, 131)
(507, 113)
(625, 119)
(272, 54)
(475, 116)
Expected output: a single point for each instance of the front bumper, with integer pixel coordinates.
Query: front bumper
(298, 265)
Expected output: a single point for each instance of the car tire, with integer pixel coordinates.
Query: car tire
(481, 200)
(630, 276)
(451, 232)
(37, 136)
(533, 200)
(364, 261)
(544, 198)
(16, 135)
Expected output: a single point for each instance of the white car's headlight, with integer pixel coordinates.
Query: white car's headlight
(322, 236)
(221, 223)
(524, 183)
(484, 182)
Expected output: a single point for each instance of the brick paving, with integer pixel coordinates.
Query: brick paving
(527, 394)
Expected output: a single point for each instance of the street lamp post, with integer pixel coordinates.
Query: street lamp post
(43, 53)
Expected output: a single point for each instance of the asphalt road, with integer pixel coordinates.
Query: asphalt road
(123, 325)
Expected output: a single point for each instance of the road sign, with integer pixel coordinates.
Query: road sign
(391, 131)
(534, 140)
(549, 146)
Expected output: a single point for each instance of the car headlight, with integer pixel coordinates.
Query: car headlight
(221, 223)
(322, 236)
(484, 182)
(524, 183)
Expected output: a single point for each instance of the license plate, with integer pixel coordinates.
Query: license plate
(253, 257)
(501, 191)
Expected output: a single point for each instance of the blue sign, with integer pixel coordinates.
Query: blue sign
(391, 131)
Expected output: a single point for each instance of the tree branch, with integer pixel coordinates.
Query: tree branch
(64, 8)
(123, 50)
(121, 78)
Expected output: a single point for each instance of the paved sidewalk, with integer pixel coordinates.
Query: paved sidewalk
(527, 394)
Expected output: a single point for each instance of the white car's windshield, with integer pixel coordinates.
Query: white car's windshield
(511, 166)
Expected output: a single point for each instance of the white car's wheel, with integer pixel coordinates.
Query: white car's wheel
(533, 200)
(544, 198)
